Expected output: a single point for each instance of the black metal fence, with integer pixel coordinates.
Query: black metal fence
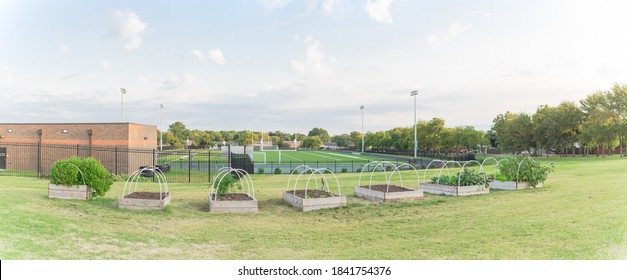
(438, 155)
(36, 159)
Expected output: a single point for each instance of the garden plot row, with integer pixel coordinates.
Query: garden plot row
(309, 189)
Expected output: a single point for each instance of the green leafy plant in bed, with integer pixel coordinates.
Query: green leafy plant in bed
(468, 178)
(523, 169)
(92, 173)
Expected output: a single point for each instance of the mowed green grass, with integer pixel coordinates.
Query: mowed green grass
(310, 156)
(581, 213)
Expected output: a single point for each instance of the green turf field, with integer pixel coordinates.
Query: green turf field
(310, 156)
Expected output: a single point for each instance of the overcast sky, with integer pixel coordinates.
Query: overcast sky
(287, 64)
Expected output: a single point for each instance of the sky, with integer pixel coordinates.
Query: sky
(292, 65)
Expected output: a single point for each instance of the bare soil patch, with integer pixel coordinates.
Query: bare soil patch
(384, 188)
(232, 197)
(312, 193)
(147, 195)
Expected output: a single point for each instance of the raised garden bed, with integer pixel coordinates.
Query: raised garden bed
(80, 192)
(454, 190)
(144, 201)
(517, 173)
(222, 202)
(512, 185)
(316, 198)
(388, 191)
(381, 193)
(466, 182)
(132, 199)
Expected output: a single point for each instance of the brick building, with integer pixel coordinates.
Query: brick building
(36, 146)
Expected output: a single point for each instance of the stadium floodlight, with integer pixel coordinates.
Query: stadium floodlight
(362, 128)
(161, 128)
(414, 94)
(122, 93)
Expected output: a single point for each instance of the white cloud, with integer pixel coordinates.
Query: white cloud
(315, 64)
(171, 83)
(8, 76)
(64, 47)
(299, 68)
(436, 41)
(269, 5)
(198, 54)
(483, 13)
(127, 26)
(379, 10)
(106, 64)
(216, 56)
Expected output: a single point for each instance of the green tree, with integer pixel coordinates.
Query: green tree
(179, 131)
(311, 142)
(342, 140)
(320, 132)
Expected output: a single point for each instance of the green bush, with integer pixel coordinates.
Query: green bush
(468, 177)
(260, 171)
(277, 170)
(66, 172)
(344, 170)
(530, 170)
(388, 168)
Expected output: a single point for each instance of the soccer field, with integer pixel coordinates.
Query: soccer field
(308, 156)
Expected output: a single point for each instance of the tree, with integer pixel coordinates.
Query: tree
(320, 132)
(356, 138)
(311, 142)
(179, 131)
(342, 140)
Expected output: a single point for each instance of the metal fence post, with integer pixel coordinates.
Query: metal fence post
(116, 160)
(209, 164)
(189, 167)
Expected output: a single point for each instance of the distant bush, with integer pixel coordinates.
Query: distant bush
(277, 170)
(344, 170)
(260, 171)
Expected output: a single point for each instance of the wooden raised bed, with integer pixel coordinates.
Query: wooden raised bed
(245, 204)
(512, 185)
(295, 199)
(454, 190)
(80, 192)
(144, 201)
(131, 199)
(381, 193)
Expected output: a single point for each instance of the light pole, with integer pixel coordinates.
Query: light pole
(414, 93)
(122, 93)
(161, 128)
(362, 128)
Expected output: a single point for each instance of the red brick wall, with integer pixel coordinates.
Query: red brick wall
(129, 135)
(121, 135)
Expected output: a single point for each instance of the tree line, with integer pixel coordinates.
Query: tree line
(596, 124)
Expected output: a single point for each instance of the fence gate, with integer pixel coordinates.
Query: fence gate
(242, 161)
(3, 158)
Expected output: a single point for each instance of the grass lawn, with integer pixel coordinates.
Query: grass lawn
(581, 213)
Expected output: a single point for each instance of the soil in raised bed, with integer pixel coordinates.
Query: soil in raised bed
(384, 188)
(232, 197)
(146, 195)
(312, 193)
